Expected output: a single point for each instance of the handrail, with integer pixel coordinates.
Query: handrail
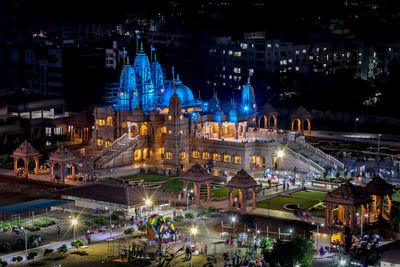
(325, 155)
(110, 147)
(306, 160)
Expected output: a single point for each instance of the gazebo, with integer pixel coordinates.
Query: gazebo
(197, 175)
(300, 116)
(268, 113)
(241, 181)
(348, 198)
(62, 156)
(25, 152)
(379, 188)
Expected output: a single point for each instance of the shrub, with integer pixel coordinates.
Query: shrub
(189, 215)
(20, 243)
(32, 227)
(200, 213)
(129, 231)
(63, 249)
(77, 243)
(31, 256)
(212, 209)
(142, 228)
(324, 173)
(43, 222)
(3, 263)
(178, 219)
(114, 217)
(48, 251)
(89, 223)
(168, 219)
(5, 247)
(17, 259)
(99, 221)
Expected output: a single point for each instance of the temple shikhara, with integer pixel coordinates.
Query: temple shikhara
(158, 119)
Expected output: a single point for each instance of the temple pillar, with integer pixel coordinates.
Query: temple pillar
(380, 206)
(389, 204)
(244, 200)
(346, 211)
(374, 205)
(26, 167)
(36, 165)
(275, 122)
(62, 172)
(230, 199)
(72, 170)
(198, 186)
(369, 215)
(254, 197)
(327, 215)
(52, 171)
(208, 190)
(15, 166)
(219, 130)
(185, 190)
(363, 218)
(236, 131)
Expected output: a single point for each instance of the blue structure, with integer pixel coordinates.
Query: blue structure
(158, 80)
(184, 93)
(233, 113)
(248, 99)
(144, 81)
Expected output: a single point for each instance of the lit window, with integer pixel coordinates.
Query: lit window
(99, 142)
(123, 124)
(109, 121)
(236, 70)
(48, 131)
(169, 155)
(169, 132)
(297, 68)
(180, 131)
(324, 48)
(230, 52)
(311, 57)
(216, 156)
(183, 155)
(195, 154)
(102, 122)
(164, 129)
(253, 159)
(121, 94)
(237, 159)
(181, 117)
(223, 52)
(205, 155)
(169, 117)
(269, 45)
(297, 52)
(238, 54)
(108, 143)
(162, 151)
(227, 158)
(304, 51)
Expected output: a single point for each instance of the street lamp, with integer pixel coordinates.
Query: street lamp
(379, 143)
(193, 232)
(322, 225)
(26, 240)
(291, 233)
(355, 124)
(233, 224)
(362, 219)
(110, 213)
(74, 222)
(342, 262)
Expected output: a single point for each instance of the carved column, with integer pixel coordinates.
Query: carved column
(254, 197)
(327, 215)
(230, 200)
(208, 190)
(244, 200)
(198, 186)
(185, 184)
(15, 166)
(26, 167)
(219, 130)
(236, 131)
(62, 172)
(36, 165)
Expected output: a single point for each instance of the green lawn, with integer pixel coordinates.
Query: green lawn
(315, 195)
(148, 178)
(222, 192)
(279, 202)
(396, 197)
(173, 185)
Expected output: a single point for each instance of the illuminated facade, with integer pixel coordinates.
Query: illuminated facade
(161, 120)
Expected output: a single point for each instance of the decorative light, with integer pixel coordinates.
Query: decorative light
(194, 231)
(280, 153)
(74, 221)
(148, 202)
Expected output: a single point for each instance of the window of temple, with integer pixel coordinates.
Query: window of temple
(195, 154)
(183, 155)
(162, 151)
(169, 117)
(180, 131)
(254, 106)
(143, 129)
(253, 159)
(102, 122)
(124, 124)
(205, 155)
(169, 132)
(237, 159)
(181, 117)
(216, 156)
(227, 158)
(107, 143)
(109, 121)
(169, 155)
(164, 129)
(99, 142)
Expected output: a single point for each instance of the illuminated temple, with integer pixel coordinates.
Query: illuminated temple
(159, 120)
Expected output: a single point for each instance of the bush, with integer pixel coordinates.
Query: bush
(212, 209)
(89, 223)
(20, 243)
(48, 251)
(178, 219)
(3, 263)
(200, 213)
(31, 255)
(5, 247)
(32, 227)
(142, 228)
(43, 222)
(63, 249)
(189, 215)
(99, 221)
(168, 219)
(77, 243)
(17, 259)
(129, 231)
(115, 217)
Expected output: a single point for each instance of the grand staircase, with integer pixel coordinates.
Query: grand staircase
(316, 155)
(114, 150)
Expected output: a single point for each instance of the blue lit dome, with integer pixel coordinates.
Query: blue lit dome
(218, 115)
(233, 114)
(184, 93)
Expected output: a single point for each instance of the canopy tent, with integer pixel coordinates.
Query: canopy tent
(32, 206)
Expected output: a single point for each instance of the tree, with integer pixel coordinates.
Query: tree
(201, 213)
(189, 215)
(178, 219)
(212, 209)
(17, 259)
(77, 243)
(5, 247)
(297, 251)
(324, 173)
(114, 217)
(31, 256)
(99, 221)
(63, 249)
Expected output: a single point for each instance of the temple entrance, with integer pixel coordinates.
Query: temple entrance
(297, 123)
(307, 125)
(215, 130)
(145, 153)
(138, 155)
(263, 122)
(133, 130)
(273, 119)
(143, 129)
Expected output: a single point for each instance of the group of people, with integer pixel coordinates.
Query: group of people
(132, 254)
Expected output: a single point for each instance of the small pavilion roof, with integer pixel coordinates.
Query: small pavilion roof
(268, 109)
(242, 180)
(301, 113)
(62, 155)
(348, 194)
(25, 150)
(379, 187)
(196, 174)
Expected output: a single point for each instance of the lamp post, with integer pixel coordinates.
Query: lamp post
(379, 143)
(280, 155)
(26, 240)
(74, 222)
(362, 219)
(291, 233)
(187, 199)
(110, 213)
(355, 124)
(233, 225)
(193, 232)
(322, 225)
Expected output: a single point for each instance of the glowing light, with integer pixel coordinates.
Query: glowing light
(280, 154)
(193, 231)
(342, 262)
(148, 202)
(74, 221)
(246, 108)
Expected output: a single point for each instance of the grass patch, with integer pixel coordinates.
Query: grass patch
(315, 195)
(222, 192)
(278, 203)
(396, 197)
(173, 185)
(148, 178)
(43, 222)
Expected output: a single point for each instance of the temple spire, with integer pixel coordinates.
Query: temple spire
(173, 73)
(155, 57)
(127, 60)
(141, 46)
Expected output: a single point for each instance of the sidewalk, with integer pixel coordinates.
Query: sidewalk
(54, 245)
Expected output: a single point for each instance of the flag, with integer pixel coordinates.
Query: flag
(251, 73)
(138, 36)
(153, 48)
(125, 52)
